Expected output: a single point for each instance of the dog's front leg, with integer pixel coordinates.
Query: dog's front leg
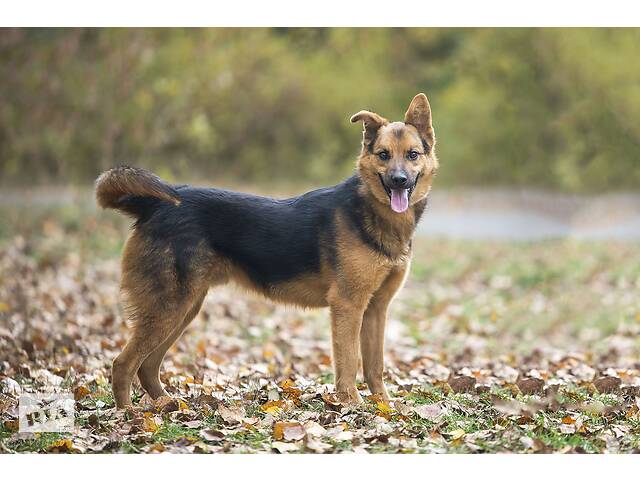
(372, 332)
(346, 320)
(372, 346)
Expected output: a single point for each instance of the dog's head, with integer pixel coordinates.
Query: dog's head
(398, 160)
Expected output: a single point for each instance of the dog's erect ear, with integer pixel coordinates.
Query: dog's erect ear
(372, 122)
(419, 115)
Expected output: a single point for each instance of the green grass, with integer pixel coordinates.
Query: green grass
(38, 442)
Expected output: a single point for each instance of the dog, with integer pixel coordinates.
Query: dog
(347, 247)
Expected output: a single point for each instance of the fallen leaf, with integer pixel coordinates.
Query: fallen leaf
(64, 445)
(273, 407)
(456, 434)
(314, 429)
(531, 386)
(157, 447)
(430, 412)
(80, 392)
(151, 424)
(607, 384)
(231, 415)
(166, 404)
(288, 431)
(212, 435)
(317, 446)
(11, 387)
(384, 407)
(284, 447)
(462, 384)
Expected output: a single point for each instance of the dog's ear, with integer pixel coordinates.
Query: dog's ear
(419, 115)
(372, 122)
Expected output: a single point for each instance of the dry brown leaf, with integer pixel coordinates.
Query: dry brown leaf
(212, 435)
(531, 386)
(231, 415)
(166, 404)
(80, 392)
(607, 384)
(462, 384)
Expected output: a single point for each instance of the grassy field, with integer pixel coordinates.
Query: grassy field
(492, 347)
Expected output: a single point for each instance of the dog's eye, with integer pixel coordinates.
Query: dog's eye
(383, 156)
(413, 154)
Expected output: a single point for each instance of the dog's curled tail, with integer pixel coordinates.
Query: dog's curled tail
(126, 189)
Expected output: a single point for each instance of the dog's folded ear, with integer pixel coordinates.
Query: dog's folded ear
(419, 115)
(372, 122)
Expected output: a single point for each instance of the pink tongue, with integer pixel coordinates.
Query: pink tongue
(399, 199)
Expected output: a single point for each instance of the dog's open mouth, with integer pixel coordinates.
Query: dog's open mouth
(399, 197)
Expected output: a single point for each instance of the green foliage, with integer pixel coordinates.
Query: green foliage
(556, 108)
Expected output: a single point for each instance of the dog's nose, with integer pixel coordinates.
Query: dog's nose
(399, 179)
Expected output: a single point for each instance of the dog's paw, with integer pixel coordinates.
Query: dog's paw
(380, 397)
(349, 397)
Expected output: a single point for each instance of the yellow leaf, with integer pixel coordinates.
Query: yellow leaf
(288, 383)
(4, 307)
(157, 447)
(81, 392)
(183, 405)
(384, 407)
(456, 434)
(273, 406)
(62, 445)
(149, 425)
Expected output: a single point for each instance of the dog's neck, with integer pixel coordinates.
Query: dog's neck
(393, 230)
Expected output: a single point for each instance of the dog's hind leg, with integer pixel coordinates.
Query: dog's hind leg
(162, 293)
(148, 334)
(149, 372)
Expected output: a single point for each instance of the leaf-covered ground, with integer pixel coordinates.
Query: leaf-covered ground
(491, 347)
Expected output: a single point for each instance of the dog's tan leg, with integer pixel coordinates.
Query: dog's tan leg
(149, 372)
(372, 332)
(346, 320)
(147, 336)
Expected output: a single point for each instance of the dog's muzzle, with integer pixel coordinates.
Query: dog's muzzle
(399, 193)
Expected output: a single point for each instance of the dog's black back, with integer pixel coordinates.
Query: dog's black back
(271, 240)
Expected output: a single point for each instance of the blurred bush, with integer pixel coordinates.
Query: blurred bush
(554, 108)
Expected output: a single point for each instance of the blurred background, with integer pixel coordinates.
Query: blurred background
(556, 109)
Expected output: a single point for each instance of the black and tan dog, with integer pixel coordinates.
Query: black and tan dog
(347, 247)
